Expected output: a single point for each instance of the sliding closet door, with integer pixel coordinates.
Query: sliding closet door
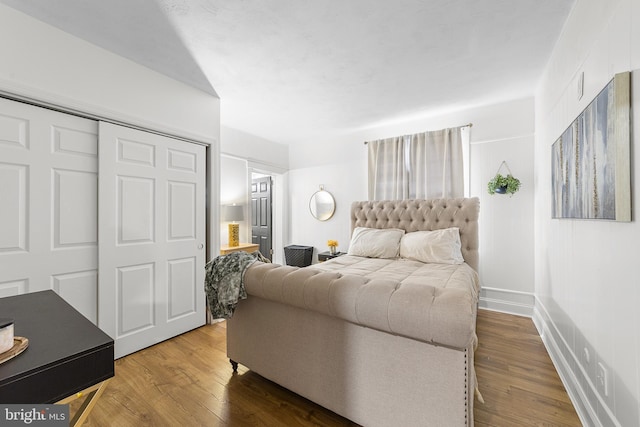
(152, 236)
(48, 204)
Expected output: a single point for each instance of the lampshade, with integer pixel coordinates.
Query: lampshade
(233, 213)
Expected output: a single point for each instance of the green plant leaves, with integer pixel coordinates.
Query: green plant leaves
(503, 184)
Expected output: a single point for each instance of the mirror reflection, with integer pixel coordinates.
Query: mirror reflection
(322, 205)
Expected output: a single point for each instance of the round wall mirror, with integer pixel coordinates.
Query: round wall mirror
(322, 205)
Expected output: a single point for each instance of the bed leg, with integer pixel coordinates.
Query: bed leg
(234, 365)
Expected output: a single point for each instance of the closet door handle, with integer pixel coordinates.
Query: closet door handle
(200, 246)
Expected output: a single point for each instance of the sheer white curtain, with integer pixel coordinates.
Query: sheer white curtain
(388, 172)
(425, 165)
(437, 169)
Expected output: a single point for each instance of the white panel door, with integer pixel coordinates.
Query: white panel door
(48, 204)
(152, 235)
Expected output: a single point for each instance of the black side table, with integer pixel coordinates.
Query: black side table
(325, 256)
(68, 356)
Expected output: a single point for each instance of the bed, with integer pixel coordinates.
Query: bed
(381, 341)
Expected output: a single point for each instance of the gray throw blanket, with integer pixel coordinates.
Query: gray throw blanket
(223, 281)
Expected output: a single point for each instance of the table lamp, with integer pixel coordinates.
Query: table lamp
(233, 214)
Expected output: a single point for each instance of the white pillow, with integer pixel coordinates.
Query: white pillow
(376, 243)
(437, 246)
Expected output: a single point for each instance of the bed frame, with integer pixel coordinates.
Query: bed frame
(372, 377)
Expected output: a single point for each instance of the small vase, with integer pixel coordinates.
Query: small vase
(332, 250)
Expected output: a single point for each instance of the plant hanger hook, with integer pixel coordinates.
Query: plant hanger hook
(504, 163)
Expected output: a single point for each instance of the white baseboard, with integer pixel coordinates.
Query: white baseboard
(583, 398)
(507, 301)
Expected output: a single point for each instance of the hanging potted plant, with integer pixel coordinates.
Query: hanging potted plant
(502, 184)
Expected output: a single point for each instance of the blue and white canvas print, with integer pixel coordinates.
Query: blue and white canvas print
(590, 161)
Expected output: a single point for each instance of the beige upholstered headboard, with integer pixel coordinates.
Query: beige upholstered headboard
(424, 215)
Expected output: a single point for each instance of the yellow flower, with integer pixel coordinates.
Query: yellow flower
(332, 243)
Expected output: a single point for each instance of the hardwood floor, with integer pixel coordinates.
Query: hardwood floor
(516, 377)
(187, 381)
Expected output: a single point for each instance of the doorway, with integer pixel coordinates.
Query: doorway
(262, 213)
(279, 219)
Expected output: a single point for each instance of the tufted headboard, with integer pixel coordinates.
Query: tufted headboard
(424, 215)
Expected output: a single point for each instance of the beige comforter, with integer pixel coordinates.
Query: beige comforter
(406, 271)
(435, 303)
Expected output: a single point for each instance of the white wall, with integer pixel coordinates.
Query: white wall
(43, 62)
(344, 180)
(500, 132)
(586, 271)
(256, 150)
(506, 222)
(234, 189)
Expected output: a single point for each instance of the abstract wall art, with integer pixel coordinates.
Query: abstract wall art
(591, 162)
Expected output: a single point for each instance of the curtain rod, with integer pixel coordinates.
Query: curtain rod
(463, 126)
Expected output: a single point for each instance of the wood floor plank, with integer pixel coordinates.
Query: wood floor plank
(187, 381)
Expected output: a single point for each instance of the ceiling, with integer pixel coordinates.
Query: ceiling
(297, 70)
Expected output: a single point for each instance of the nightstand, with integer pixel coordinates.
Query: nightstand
(247, 247)
(324, 256)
